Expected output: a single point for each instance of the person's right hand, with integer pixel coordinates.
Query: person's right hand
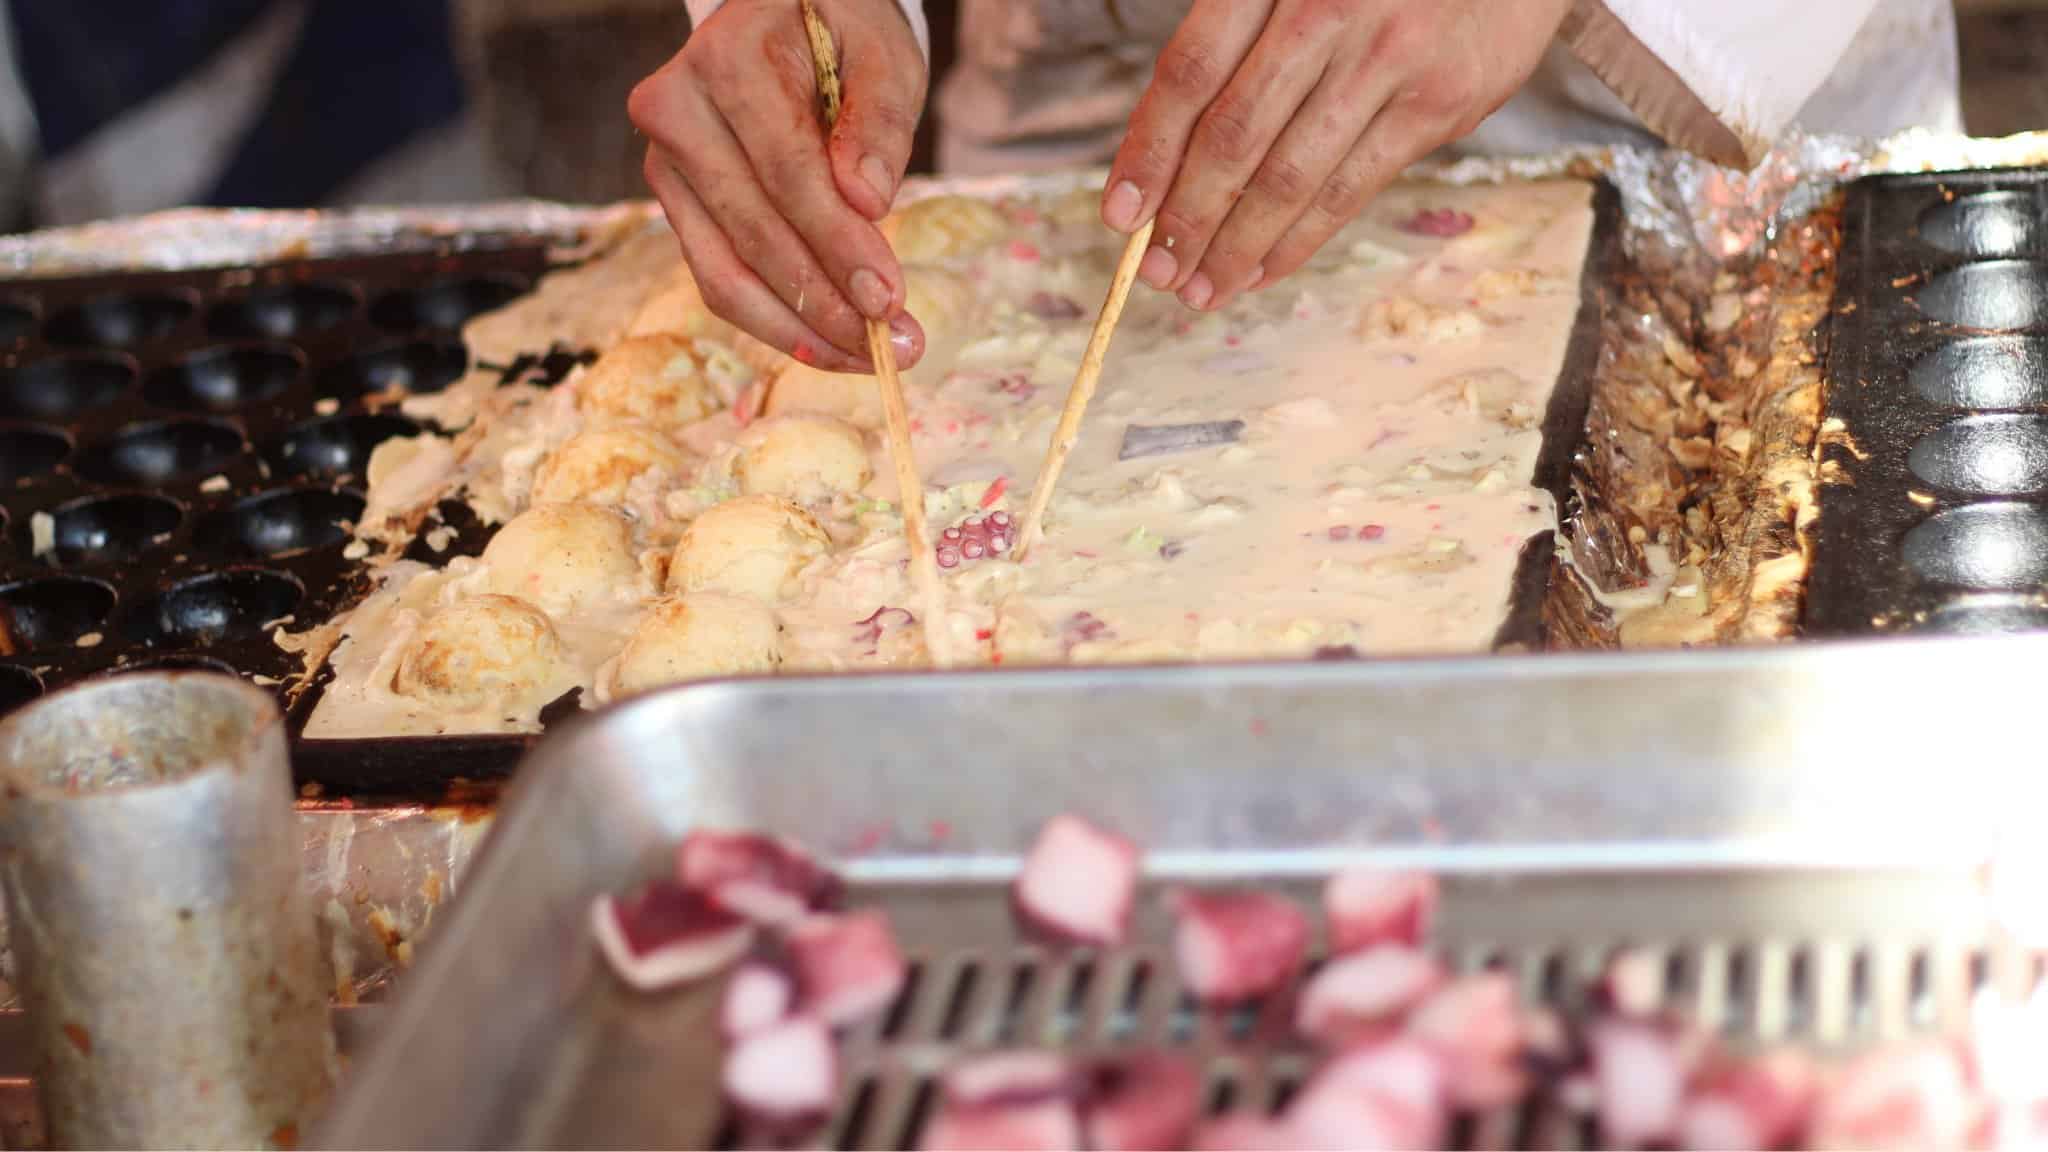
(776, 220)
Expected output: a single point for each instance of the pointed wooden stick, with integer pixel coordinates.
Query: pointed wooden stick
(924, 569)
(1085, 380)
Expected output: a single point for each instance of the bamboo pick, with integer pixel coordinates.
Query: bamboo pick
(924, 569)
(1069, 430)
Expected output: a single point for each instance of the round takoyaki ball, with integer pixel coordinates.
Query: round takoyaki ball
(599, 465)
(562, 556)
(801, 388)
(943, 227)
(653, 379)
(696, 636)
(942, 301)
(482, 653)
(750, 546)
(804, 458)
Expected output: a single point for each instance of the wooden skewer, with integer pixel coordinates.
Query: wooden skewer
(1083, 391)
(924, 568)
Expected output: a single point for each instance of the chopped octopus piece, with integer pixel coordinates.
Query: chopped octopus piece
(847, 967)
(785, 1077)
(767, 880)
(1006, 1100)
(1237, 946)
(1404, 1082)
(1759, 1103)
(1443, 223)
(1912, 1096)
(975, 538)
(1633, 984)
(1022, 1076)
(1475, 1024)
(759, 996)
(1367, 907)
(1048, 306)
(1242, 1131)
(1078, 882)
(666, 935)
(1639, 1076)
(1142, 1102)
(1365, 994)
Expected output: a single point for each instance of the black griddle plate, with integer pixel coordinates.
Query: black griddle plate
(1934, 497)
(197, 441)
(126, 393)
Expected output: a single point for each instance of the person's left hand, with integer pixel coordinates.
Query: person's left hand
(1269, 124)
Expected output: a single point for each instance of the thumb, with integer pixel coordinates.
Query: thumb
(882, 76)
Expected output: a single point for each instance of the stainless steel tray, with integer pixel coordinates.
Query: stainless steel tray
(1797, 828)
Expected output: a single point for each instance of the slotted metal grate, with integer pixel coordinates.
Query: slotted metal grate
(1831, 960)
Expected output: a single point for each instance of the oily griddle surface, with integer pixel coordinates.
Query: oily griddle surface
(1934, 450)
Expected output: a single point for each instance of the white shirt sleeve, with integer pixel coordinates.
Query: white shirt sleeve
(1723, 79)
(913, 11)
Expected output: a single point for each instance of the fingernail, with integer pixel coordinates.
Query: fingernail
(877, 175)
(1258, 278)
(1158, 268)
(870, 295)
(1120, 210)
(904, 334)
(1199, 292)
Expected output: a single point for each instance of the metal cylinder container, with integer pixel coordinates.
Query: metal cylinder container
(164, 943)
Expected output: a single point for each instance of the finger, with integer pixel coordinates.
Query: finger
(1235, 134)
(792, 169)
(1391, 142)
(1300, 164)
(882, 76)
(1193, 68)
(730, 289)
(718, 173)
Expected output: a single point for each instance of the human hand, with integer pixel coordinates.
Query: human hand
(1269, 124)
(778, 221)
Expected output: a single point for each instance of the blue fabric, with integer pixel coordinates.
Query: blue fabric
(86, 62)
(364, 78)
(367, 77)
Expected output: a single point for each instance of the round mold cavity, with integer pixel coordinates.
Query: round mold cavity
(30, 450)
(236, 604)
(1984, 373)
(161, 450)
(282, 311)
(1989, 546)
(284, 521)
(1986, 615)
(177, 662)
(337, 445)
(54, 611)
(119, 320)
(18, 686)
(417, 367)
(1985, 455)
(118, 527)
(61, 387)
(1995, 295)
(446, 305)
(226, 377)
(1987, 224)
(17, 320)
